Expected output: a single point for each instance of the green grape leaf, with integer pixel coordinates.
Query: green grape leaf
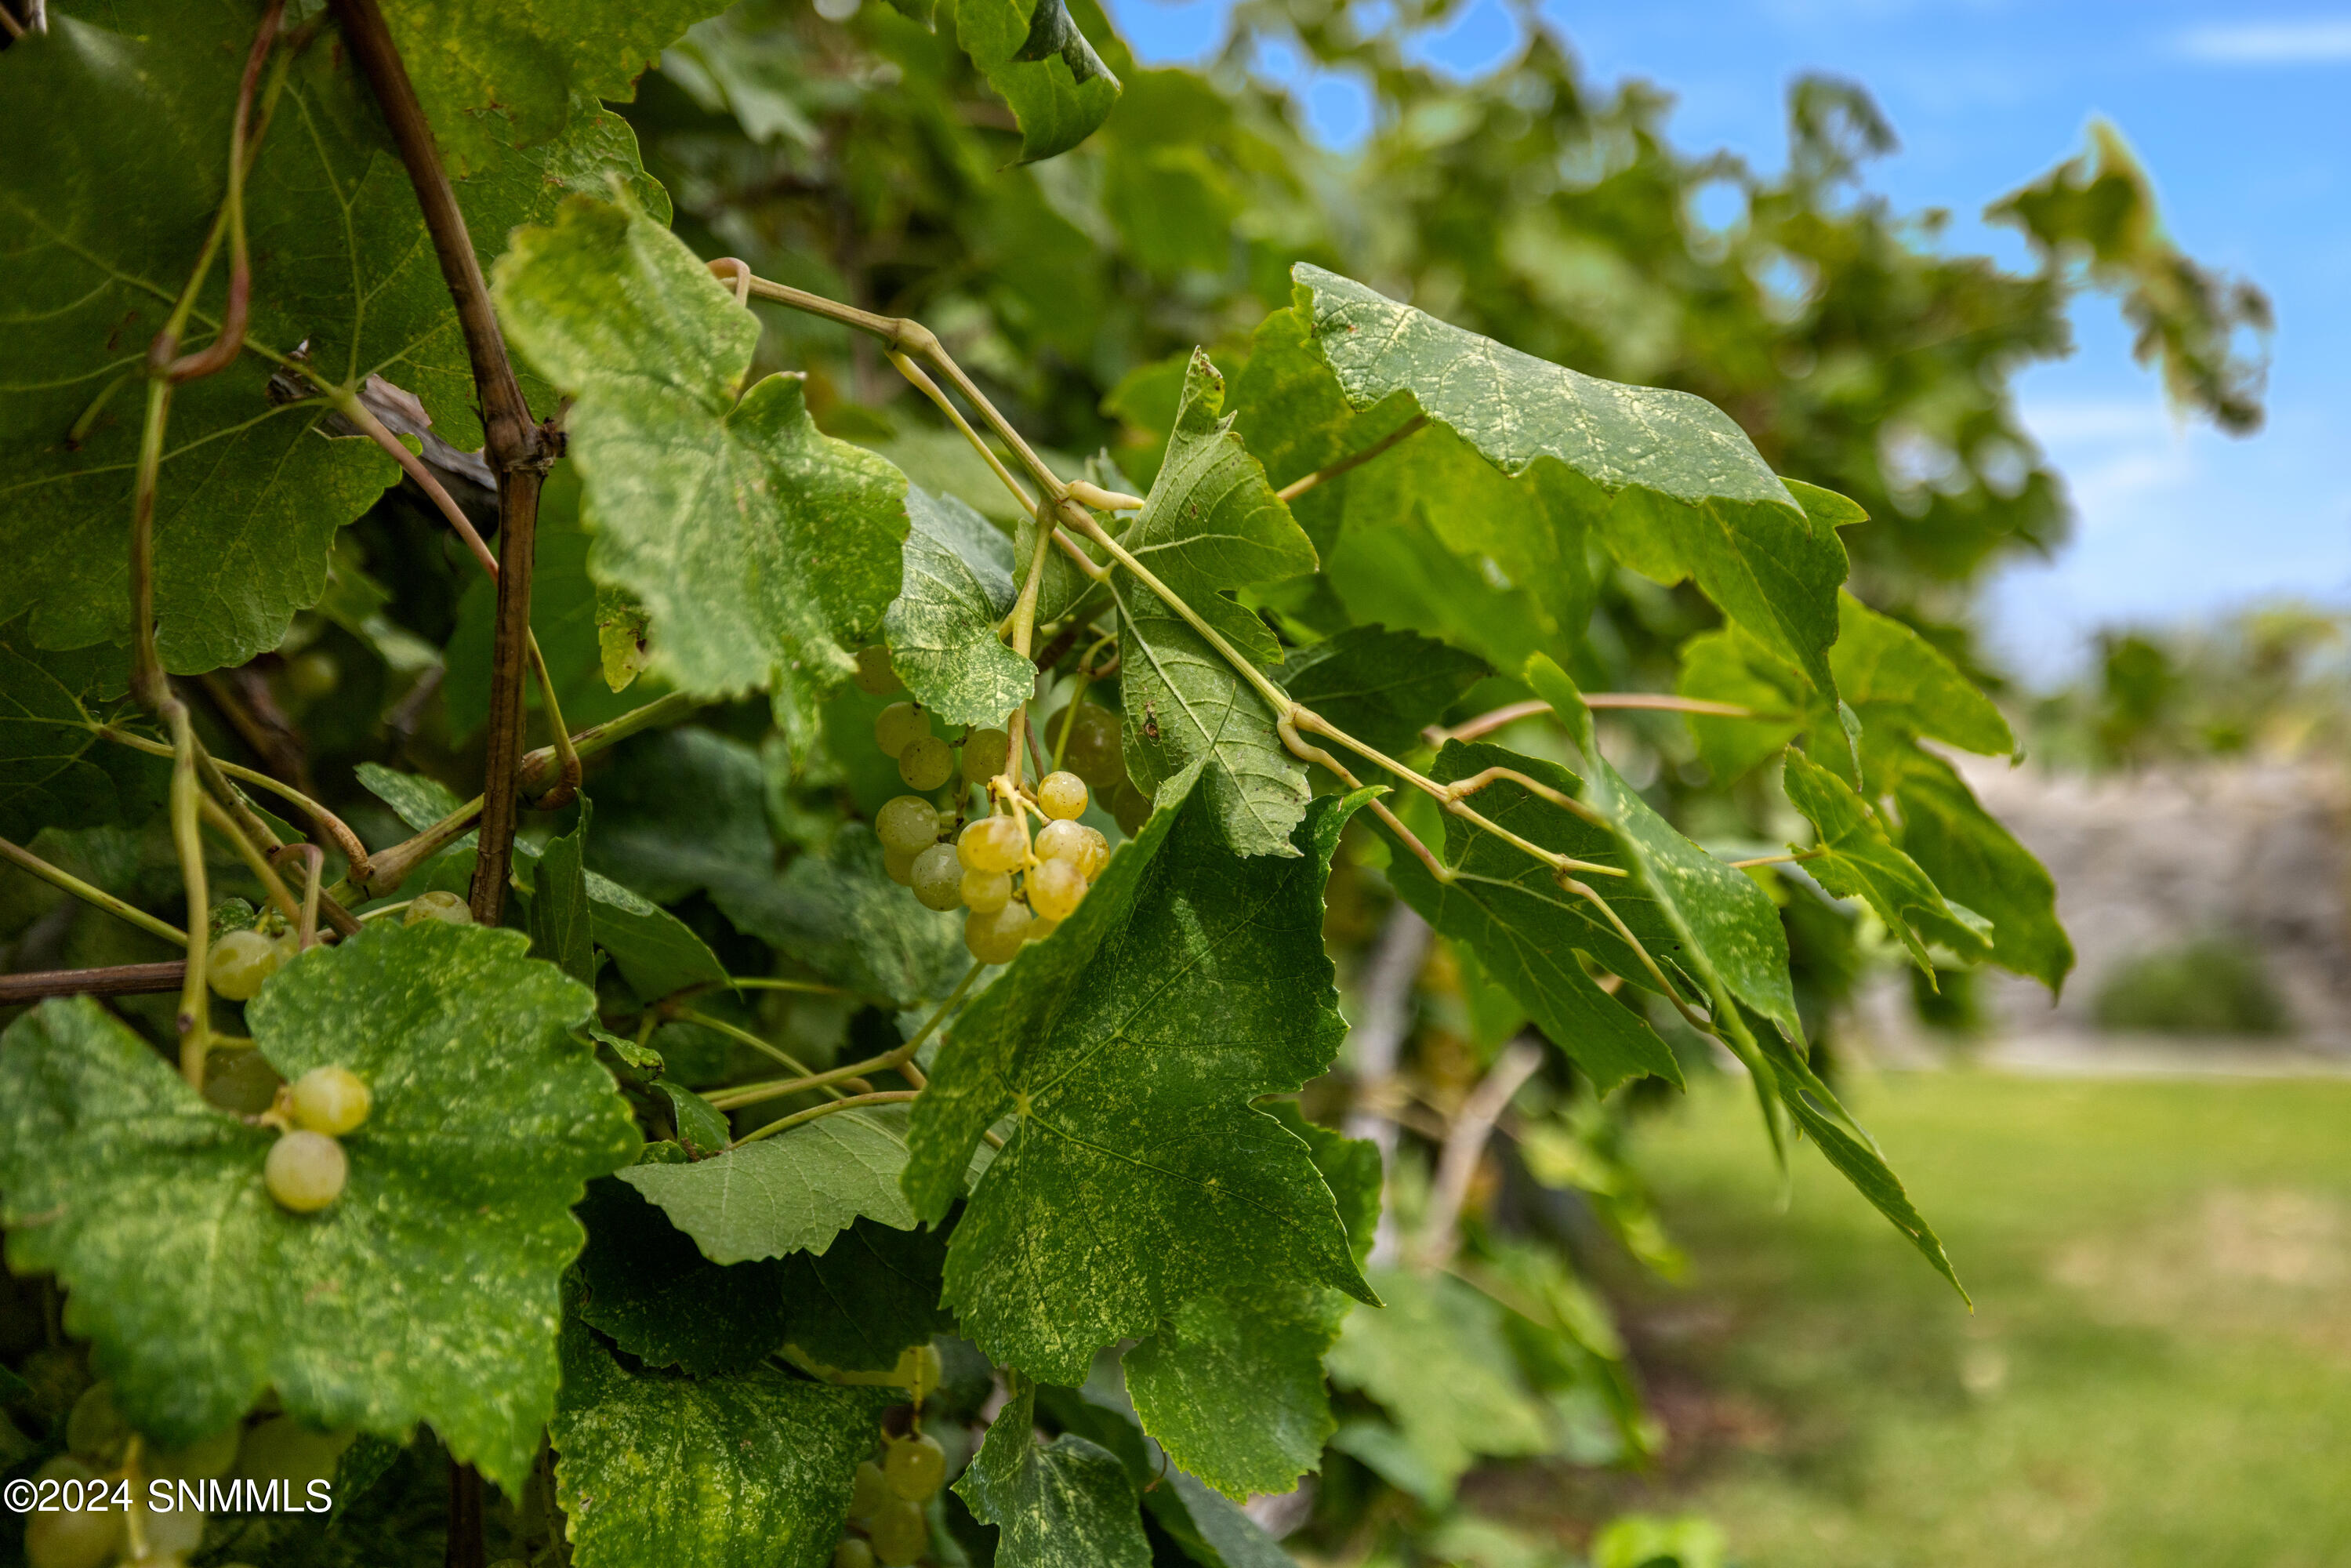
(1978, 863)
(55, 772)
(642, 1282)
(1437, 1362)
(1207, 1527)
(560, 925)
(1068, 1503)
(1187, 983)
(1382, 687)
(496, 78)
(655, 951)
(1527, 929)
(1035, 57)
(442, 1255)
(1729, 666)
(942, 626)
(622, 630)
(792, 1192)
(1401, 574)
(751, 1471)
(756, 544)
(1212, 523)
(701, 1127)
(862, 1301)
(1674, 487)
(838, 913)
(1895, 679)
(110, 187)
(416, 800)
(679, 811)
(1856, 859)
(1732, 942)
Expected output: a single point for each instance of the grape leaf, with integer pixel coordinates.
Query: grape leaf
(560, 923)
(702, 1128)
(756, 544)
(681, 811)
(1434, 1359)
(1128, 1045)
(1400, 574)
(54, 771)
(496, 78)
(642, 1282)
(1732, 942)
(1035, 57)
(942, 626)
(1382, 687)
(119, 160)
(751, 1471)
(442, 1256)
(792, 1192)
(1976, 862)
(1527, 929)
(1063, 1504)
(1895, 679)
(1856, 859)
(840, 914)
(1729, 666)
(1674, 487)
(862, 1301)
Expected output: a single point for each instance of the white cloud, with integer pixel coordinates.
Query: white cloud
(2315, 41)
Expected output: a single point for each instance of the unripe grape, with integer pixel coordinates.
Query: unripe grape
(900, 1534)
(1055, 888)
(311, 676)
(870, 1492)
(240, 1081)
(1041, 929)
(987, 891)
(874, 676)
(289, 947)
(915, 1467)
(908, 823)
(994, 843)
(96, 1430)
(330, 1100)
(306, 1171)
(939, 878)
(239, 962)
(852, 1553)
(283, 1449)
(898, 725)
(1061, 841)
(923, 1379)
(172, 1535)
(985, 752)
(207, 1459)
(1097, 852)
(60, 1539)
(445, 907)
(996, 936)
(1062, 796)
(1093, 750)
(1130, 807)
(927, 762)
(899, 865)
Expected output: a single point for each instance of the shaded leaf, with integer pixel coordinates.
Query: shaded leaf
(958, 585)
(642, 1282)
(442, 1255)
(681, 811)
(1976, 862)
(840, 914)
(1128, 1046)
(862, 1301)
(54, 771)
(1382, 687)
(560, 922)
(1063, 1504)
(791, 1192)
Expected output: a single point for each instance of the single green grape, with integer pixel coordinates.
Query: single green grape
(1062, 796)
(283, 1449)
(986, 890)
(1130, 807)
(914, 1466)
(852, 1553)
(438, 904)
(96, 1430)
(927, 762)
(1097, 852)
(928, 1374)
(207, 1459)
(900, 1534)
(61, 1540)
(869, 1492)
(1061, 841)
(985, 752)
(899, 725)
(994, 843)
(1041, 929)
(239, 962)
(996, 936)
(311, 676)
(330, 1100)
(874, 676)
(172, 1535)
(1094, 751)
(306, 1171)
(1055, 888)
(908, 823)
(899, 865)
(939, 878)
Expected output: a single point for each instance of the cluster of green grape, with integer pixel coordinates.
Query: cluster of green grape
(1015, 892)
(888, 1525)
(1083, 739)
(240, 961)
(96, 1468)
(307, 1168)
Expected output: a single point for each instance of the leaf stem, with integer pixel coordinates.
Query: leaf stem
(1661, 702)
(1297, 487)
(763, 983)
(899, 1059)
(273, 886)
(195, 1019)
(854, 1102)
(334, 827)
(58, 877)
(735, 1032)
(1795, 857)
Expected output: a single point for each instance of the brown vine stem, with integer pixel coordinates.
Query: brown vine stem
(520, 450)
(223, 349)
(113, 981)
(64, 879)
(1297, 487)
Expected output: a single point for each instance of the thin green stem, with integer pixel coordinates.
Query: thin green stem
(273, 886)
(736, 1032)
(1796, 858)
(765, 983)
(1297, 487)
(899, 1059)
(334, 827)
(195, 1019)
(146, 668)
(854, 1102)
(58, 877)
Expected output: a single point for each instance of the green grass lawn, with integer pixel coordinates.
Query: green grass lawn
(2157, 1371)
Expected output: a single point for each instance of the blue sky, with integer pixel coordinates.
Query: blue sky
(2239, 112)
